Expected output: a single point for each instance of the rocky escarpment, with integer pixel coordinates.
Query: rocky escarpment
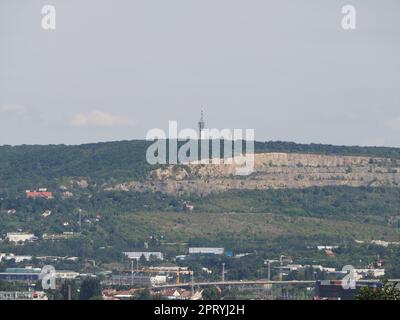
(271, 171)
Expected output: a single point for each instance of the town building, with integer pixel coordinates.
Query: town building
(113, 294)
(384, 243)
(16, 258)
(181, 294)
(241, 255)
(327, 247)
(23, 295)
(334, 290)
(21, 274)
(128, 280)
(60, 236)
(168, 269)
(158, 280)
(65, 274)
(41, 193)
(369, 273)
(324, 269)
(146, 254)
(18, 237)
(329, 253)
(46, 213)
(188, 206)
(206, 251)
(181, 257)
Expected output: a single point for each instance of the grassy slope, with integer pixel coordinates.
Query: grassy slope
(242, 226)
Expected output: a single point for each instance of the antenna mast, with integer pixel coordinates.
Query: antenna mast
(201, 122)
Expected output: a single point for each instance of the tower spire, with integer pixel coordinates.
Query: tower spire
(201, 122)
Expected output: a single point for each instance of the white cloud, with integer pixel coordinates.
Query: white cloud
(97, 118)
(393, 124)
(12, 109)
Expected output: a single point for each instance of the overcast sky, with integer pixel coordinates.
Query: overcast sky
(112, 70)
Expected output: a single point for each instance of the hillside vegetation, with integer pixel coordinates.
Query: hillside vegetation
(24, 167)
(285, 219)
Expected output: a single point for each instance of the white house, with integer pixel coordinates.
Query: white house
(157, 280)
(206, 250)
(17, 237)
(62, 274)
(369, 273)
(11, 256)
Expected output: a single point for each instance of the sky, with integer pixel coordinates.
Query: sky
(113, 70)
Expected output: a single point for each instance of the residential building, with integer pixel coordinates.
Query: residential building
(181, 294)
(41, 193)
(327, 247)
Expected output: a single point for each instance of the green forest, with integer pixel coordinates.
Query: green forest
(27, 166)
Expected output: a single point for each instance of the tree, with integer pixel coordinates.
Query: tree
(54, 294)
(7, 286)
(90, 289)
(388, 291)
(211, 293)
(69, 287)
(145, 294)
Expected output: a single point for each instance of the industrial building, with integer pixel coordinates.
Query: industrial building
(33, 274)
(128, 279)
(21, 274)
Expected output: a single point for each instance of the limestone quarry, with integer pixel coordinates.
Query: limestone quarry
(271, 171)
